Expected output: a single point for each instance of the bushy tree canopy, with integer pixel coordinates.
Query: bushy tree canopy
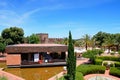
(100, 38)
(13, 35)
(2, 47)
(34, 39)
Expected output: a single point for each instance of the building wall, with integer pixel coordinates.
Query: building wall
(55, 40)
(45, 39)
(13, 59)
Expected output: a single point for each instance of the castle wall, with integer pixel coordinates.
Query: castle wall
(45, 39)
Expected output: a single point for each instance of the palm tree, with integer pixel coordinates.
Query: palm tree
(87, 40)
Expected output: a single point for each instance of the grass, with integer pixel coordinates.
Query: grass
(79, 76)
(3, 78)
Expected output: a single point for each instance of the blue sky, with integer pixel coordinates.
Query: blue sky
(57, 17)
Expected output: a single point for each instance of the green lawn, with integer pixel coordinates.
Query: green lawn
(79, 76)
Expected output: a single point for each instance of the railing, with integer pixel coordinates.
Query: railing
(42, 61)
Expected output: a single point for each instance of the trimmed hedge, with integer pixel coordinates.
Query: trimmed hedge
(117, 64)
(91, 69)
(111, 58)
(98, 61)
(115, 71)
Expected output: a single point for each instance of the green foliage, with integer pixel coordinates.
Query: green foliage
(117, 64)
(99, 38)
(79, 76)
(1, 40)
(13, 35)
(34, 39)
(105, 64)
(2, 47)
(71, 60)
(92, 54)
(110, 58)
(3, 78)
(112, 53)
(115, 71)
(98, 62)
(107, 39)
(86, 40)
(90, 69)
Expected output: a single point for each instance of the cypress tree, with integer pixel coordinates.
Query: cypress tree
(71, 60)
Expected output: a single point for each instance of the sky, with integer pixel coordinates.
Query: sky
(58, 17)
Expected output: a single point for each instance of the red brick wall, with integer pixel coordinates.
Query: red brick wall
(13, 59)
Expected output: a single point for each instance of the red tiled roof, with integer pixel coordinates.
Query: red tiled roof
(26, 48)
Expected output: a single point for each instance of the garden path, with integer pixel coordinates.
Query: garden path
(106, 74)
(10, 76)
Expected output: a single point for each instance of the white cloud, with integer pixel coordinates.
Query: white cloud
(11, 18)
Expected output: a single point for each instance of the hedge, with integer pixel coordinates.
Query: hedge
(115, 71)
(98, 61)
(111, 58)
(117, 64)
(91, 69)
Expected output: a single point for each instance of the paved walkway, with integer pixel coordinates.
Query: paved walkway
(80, 61)
(106, 74)
(2, 59)
(10, 76)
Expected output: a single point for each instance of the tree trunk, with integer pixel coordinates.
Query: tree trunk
(86, 46)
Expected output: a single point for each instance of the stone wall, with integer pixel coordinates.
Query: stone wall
(44, 38)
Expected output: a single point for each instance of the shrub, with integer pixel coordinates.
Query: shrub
(117, 64)
(90, 69)
(92, 54)
(111, 58)
(98, 61)
(105, 63)
(79, 76)
(112, 53)
(115, 71)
